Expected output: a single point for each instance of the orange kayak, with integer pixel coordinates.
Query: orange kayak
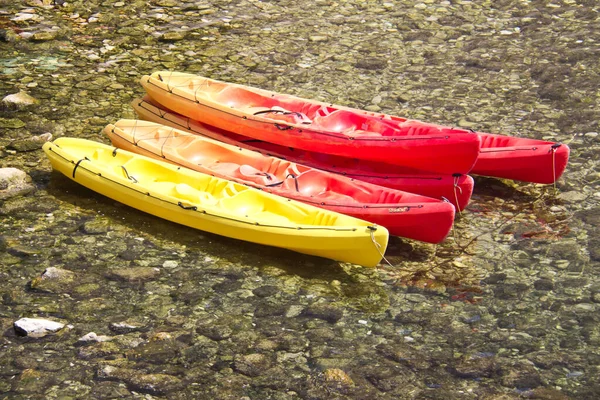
(403, 214)
(315, 126)
(457, 189)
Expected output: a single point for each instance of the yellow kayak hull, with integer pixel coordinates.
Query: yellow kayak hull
(216, 205)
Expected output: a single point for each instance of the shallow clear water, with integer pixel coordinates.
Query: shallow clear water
(507, 307)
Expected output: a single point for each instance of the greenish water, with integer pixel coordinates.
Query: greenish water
(507, 307)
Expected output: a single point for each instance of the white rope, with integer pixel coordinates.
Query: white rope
(554, 168)
(456, 195)
(378, 247)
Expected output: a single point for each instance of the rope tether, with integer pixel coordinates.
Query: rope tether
(372, 230)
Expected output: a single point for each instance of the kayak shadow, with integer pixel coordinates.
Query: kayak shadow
(494, 187)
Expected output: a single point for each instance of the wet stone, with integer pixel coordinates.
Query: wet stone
(134, 274)
(157, 384)
(544, 284)
(36, 327)
(591, 216)
(595, 295)
(44, 36)
(54, 280)
(370, 63)
(92, 337)
(266, 309)
(337, 376)
(32, 381)
(18, 100)
(475, 367)
(215, 332)
(96, 227)
(11, 123)
(266, 291)
(318, 38)
(202, 350)
(320, 335)
(156, 352)
(325, 312)
(128, 326)
(31, 143)
(388, 379)
(227, 286)
(99, 350)
(572, 196)
(252, 364)
(173, 36)
(521, 376)
(14, 182)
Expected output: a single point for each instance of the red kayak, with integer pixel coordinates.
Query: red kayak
(521, 159)
(314, 126)
(403, 214)
(456, 189)
(353, 133)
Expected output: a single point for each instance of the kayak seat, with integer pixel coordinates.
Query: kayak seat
(98, 154)
(187, 193)
(249, 173)
(247, 203)
(309, 183)
(224, 168)
(236, 97)
(278, 113)
(340, 121)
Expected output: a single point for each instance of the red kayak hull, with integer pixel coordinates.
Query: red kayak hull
(403, 214)
(314, 126)
(456, 189)
(521, 159)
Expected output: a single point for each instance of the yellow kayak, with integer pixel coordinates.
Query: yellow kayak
(216, 205)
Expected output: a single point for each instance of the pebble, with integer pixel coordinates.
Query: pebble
(294, 310)
(44, 36)
(93, 338)
(572, 196)
(336, 375)
(252, 364)
(127, 327)
(31, 143)
(20, 17)
(14, 182)
(169, 264)
(53, 280)
(37, 327)
(173, 36)
(19, 100)
(11, 123)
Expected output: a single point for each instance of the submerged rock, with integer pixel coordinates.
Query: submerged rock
(31, 143)
(337, 376)
(36, 327)
(18, 100)
(325, 312)
(252, 364)
(93, 338)
(14, 182)
(128, 326)
(134, 274)
(54, 280)
(151, 383)
(11, 123)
